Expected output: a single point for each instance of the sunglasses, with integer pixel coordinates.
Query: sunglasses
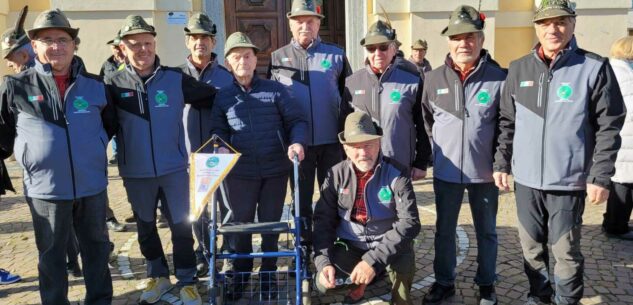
(382, 48)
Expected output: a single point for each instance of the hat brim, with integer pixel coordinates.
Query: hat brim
(303, 13)
(460, 29)
(198, 32)
(553, 13)
(138, 31)
(71, 31)
(356, 138)
(18, 44)
(377, 39)
(241, 45)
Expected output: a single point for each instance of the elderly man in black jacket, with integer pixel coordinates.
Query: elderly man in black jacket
(367, 218)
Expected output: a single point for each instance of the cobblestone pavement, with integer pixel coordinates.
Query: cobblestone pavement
(608, 262)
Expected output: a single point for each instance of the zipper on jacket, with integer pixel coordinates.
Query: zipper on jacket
(70, 152)
(281, 141)
(459, 93)
(543, 103)
(139, 97)
(310, 95)
(149, 118)
(367, 206)
(540, 90)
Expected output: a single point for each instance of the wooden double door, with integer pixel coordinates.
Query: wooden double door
(265, 22)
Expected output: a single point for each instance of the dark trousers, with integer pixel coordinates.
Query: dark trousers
(554, 217)
(52, 222)
(619, 206)
(173, 193)
(344, 257)
(318, 160)
(483, 199)
(261, 196)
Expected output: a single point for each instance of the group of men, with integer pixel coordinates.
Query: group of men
(475, 121)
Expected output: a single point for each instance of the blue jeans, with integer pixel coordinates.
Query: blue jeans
(52, 223)
(483, 199)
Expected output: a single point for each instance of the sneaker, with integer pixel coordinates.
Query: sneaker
(438, 293)
(113, 160)
(487, 295)
(155, 289)
(531, 300)
(73, 269)
(7, 278)
(114, 225)
(189, 295)
(269, 289)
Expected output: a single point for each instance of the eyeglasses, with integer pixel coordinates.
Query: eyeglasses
(62, 42)
(382, 48)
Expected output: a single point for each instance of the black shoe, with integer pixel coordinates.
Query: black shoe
(73, 269)
(487, 295)
(624, 236)
(438, 293)
(234, 292)
(202, 268)
(268, 290)
(130, 219)
(114, 225)
(113, 160)
(162, 222)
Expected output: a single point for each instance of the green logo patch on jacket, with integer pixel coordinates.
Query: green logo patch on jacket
(564, 92)
(80, 105)
(483, 97)
(395, 96)
(326, 64)
(385, 195)
(161, 98)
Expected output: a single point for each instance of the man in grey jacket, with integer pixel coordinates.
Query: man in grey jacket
(57, 119)
(461, 105)
(367, 218)
(560, 116)
(314, 72)
(390, 93)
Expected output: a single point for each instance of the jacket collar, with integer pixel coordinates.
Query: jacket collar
(210, 65)
(76, 66)
(254, 82)
(132, 71)
(312, 45)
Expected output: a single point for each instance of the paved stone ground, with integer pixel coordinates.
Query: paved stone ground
(608, 264)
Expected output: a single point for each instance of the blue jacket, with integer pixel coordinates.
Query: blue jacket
(315, 78)
(151, 137)
(260, 123)
(198, 121)
(60, 142)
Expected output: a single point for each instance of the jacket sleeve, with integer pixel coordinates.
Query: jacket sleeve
(7, 118)
(606, 116)
(345, 108)
(347, 71)
(427, 111)
(505, 127)
(404, 230)
(422, 144)
(198, 94)
(295, 122)
(219, 123)
(326, 219)
(109, 115)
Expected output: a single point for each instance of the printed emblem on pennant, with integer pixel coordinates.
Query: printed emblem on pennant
(161, 98)
(385, 195)
(442, 91)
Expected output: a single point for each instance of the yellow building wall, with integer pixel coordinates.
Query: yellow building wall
(34, 5)
(512, 43)
(516, 5)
